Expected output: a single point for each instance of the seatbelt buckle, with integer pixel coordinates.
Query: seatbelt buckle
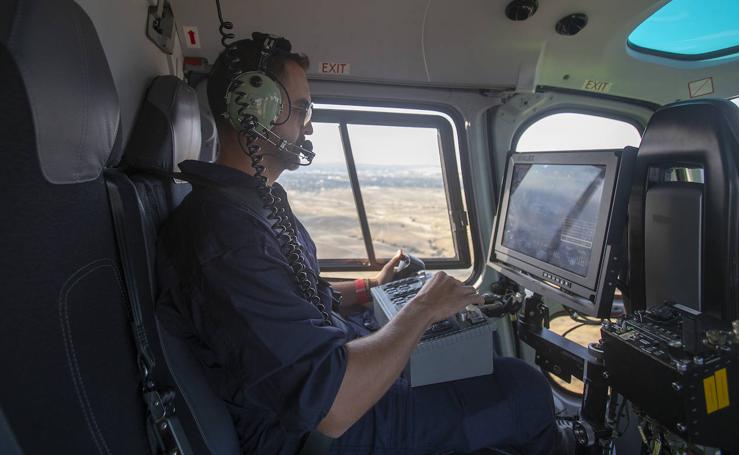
(166, 435)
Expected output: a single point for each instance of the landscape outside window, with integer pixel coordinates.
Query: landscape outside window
(400, 177)
(321, 196)
(399, 170)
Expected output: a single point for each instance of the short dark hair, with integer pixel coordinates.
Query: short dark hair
(247, 51)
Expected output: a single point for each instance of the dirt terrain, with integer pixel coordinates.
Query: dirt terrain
(415, 219)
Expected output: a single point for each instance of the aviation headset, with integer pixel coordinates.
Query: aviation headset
(254, 97)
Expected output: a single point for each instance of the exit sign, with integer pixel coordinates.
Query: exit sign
(334, 68)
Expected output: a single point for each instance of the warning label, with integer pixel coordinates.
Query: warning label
(716, 390)
(192, 38)
(701, 87)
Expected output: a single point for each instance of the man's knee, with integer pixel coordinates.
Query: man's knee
(534, 395)
(524, 376)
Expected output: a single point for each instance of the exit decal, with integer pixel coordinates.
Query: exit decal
(597, 86)
(191, 36)
(334, 68)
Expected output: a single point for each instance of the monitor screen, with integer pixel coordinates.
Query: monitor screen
(553, 212)
(560, 225)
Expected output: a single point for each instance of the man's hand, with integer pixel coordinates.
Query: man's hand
(443, 295)
(386, 274)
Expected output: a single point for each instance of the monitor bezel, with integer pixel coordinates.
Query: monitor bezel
(585, 287)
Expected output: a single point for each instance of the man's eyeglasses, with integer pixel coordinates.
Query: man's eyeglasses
(307, 112)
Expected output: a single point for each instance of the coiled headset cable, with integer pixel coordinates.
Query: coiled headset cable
(286, 232)
(248, 131)
(225, 25)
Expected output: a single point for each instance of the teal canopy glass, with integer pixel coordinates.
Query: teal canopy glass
(690, 30)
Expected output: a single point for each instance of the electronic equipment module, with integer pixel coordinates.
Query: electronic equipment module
(458, 347)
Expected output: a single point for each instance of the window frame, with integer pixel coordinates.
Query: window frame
(684, 57)
(459, 220)
(573, 110)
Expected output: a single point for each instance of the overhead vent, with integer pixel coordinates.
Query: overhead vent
(572, 24)
(520, 10)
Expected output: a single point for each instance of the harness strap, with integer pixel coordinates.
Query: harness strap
(166, 435)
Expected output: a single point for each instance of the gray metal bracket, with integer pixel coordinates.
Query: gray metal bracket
(160, 26)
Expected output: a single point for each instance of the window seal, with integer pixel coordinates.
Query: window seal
(604, 96)
(684, 57)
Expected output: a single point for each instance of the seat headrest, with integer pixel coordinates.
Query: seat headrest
(68, 84)
(167, 130)
(695, 126)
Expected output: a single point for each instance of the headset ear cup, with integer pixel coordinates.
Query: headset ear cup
(253, 96)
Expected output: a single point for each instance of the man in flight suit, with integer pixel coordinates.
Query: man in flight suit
(281, 371)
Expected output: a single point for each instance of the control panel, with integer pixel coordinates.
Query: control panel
(458, 347)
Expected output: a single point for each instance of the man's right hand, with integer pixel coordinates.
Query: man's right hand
(442, 296)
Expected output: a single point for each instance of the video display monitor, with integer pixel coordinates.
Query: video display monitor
(561, 217)
(553, 213)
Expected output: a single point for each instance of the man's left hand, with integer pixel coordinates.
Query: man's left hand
(386, 274)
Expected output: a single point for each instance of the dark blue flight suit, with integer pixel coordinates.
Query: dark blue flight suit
(278, 369)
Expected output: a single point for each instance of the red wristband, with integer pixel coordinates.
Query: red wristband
(361, 290)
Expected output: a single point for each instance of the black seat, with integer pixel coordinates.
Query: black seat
(168, 131)
(701, 134)
(70, 382)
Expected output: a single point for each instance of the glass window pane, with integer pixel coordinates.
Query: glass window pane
(694, 28)
(573, 131)
(399, 171)
(321, 197)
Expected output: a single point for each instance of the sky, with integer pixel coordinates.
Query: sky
(377, 145)
(571, 131)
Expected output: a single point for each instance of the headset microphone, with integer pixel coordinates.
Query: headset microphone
(304, 150)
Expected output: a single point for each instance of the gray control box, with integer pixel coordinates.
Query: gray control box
(456, 348)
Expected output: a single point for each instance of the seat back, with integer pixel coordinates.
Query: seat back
(69, 382)
(167, 132)
(687, 231)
